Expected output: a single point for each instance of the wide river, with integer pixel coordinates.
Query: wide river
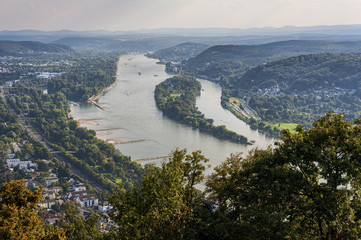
(131, 114)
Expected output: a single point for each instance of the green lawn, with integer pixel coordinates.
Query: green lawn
(290, 126)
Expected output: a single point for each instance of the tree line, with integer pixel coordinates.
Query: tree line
(176, 98)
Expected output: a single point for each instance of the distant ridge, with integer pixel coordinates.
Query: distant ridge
(339, 32)
(179, 52)
(23, 48)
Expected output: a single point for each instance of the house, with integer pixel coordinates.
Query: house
(72, 195)
(51, 180)
(54, 189)
(47, 204)
(79, 186)
(48, 194)
(10, 83)
(90, 200)
(104, 206)
(47, 75)
(27, 166)
(85, 198)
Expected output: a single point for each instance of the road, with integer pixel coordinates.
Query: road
(39, 138)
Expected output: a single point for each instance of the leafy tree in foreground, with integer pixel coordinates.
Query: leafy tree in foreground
(307, 187)
(78, 228)
(162, 206)
(18, 219)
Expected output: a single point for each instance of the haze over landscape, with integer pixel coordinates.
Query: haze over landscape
(128, 15)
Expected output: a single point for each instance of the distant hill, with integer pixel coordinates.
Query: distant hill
(23, 48)
(235, 59)
(306, 72)
(179, 52)
(90, 43)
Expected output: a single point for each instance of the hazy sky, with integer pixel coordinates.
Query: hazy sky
(139, 14)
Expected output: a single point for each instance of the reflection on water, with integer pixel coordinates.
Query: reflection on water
(131, 116)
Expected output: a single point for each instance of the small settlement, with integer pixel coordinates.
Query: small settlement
(56, 190)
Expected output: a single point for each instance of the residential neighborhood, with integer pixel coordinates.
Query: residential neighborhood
(56, 190)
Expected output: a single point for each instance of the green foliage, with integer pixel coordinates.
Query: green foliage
(162, 206)
(89, 77)
(52, 121)
(176, 97)
(305, 72)
(78, 228)
(306, 188)
(18, 219)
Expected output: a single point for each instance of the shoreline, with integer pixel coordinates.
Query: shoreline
(96, 97)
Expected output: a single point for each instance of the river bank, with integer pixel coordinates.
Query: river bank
(104, 91)
(131, 114)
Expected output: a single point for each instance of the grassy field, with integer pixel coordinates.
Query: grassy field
(290, 126)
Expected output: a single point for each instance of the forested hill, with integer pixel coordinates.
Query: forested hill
(180, 52)
(306, 72)
(24, 48)
(224, 60)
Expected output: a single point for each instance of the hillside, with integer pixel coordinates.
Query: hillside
(299, 89)
(306, 72)
(236, 59)
(23, 48)
(180, 52)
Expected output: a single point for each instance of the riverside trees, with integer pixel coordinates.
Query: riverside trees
(176, 98)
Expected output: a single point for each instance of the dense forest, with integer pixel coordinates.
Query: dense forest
(87, 77)
(176, 98)
(236, 59)
(305, 72)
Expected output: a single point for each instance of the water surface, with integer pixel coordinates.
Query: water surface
(131, 113)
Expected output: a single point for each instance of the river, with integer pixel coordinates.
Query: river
(131, 115)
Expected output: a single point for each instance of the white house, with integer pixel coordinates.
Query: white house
(47, 203)
(104, 206)
(51, 180)
(27, 166)
(87, 200)
(79, 186)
